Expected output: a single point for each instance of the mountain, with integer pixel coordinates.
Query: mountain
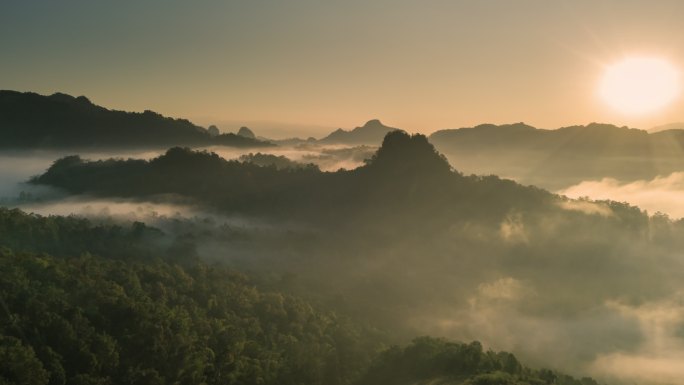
(250, 188)
(370, 133)
(246, 133)
(669, 126)
(29, 120)
(415, 247)
(559, 158)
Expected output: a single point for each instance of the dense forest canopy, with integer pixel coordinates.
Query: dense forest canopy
(114, 314)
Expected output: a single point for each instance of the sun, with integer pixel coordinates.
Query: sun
(640, 85)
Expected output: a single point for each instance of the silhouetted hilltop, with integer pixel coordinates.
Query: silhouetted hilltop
(565, 156)
(402, 155)
(405, 170)
(514, 137)
(213, 130)
(246, 132)
(29, 120)
(370, 133)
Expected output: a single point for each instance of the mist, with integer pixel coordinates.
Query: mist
(662, 194)
(571, 284)
(658, 357)
(17, 167)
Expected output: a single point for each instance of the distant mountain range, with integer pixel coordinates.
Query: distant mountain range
(558, 158)
(553, 159)
(30, 120)
(370, 133)
(669, 126)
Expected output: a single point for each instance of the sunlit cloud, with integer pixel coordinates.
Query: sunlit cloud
(586, 207)
(661, 194)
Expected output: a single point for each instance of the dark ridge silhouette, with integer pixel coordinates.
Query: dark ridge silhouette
(213, 130)
(406, 169)
(370, 133)
(246, 133)
(518, 136)
(29, 120)
(402, 154)
(565, 156)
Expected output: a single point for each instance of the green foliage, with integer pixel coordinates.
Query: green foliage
(19, 364)
(65, 236)
(92, 320)
(370, 133)
(429, 358)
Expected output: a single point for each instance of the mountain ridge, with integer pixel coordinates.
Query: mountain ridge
(559, 158)
(372, 132)
(31, 120)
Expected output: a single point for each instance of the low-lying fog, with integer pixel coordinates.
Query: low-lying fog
(16, 167)
(663, 194)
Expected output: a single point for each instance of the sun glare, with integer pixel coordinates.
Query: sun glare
(640, 85)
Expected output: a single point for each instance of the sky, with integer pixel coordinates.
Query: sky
(304, 67)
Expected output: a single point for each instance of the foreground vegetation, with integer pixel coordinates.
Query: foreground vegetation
(85, 318)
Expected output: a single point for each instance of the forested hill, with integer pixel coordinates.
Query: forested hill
(404, 177)
(29, 120)
(111, 316)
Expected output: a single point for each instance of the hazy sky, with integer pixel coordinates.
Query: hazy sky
(420, 65)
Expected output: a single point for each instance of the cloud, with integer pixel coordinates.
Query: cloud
(118, 209)
(503, 289)
(663, 193)
(587, 207)
(659, 358)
